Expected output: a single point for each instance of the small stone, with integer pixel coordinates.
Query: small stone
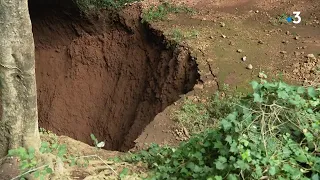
(198, 86)
(260, 42)
(223, 36)
(262, 75)
(211, 37)
(296, 65)
(250, 66)
(283, 52)
(239, 51)
(296, 38)
(311, 56)
(203, 19)
(231, 43)
(222, 24)
(304, 47)
(244, 58)
(297, 53)
(186, 132)
(257, 11)
(287, 33)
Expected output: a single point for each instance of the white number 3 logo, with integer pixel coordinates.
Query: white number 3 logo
(297, 17)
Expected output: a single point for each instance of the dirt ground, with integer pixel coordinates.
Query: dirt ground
(229, 30)
(115, 81)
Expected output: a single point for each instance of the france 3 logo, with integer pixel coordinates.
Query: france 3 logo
(296, 19)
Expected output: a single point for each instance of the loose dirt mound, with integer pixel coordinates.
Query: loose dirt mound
(106, 76)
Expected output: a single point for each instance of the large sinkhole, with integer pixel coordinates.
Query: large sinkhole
(106, 75)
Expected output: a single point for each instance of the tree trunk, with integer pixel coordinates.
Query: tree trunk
(19, 119)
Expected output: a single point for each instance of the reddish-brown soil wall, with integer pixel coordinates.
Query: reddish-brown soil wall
(106, 76)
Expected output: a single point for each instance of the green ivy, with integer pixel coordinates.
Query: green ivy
(273, 133)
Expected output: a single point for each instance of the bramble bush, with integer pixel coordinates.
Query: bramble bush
(273, 133)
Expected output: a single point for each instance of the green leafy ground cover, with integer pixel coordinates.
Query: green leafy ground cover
(272, 133)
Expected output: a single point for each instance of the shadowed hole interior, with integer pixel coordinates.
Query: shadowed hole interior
(102, 74)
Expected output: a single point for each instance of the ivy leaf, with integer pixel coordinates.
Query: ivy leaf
(257, 98)
(232, 177)
(220, 164)
(282, 85)
(255, 85)
(282, 94)
(302, 158)
(190, 165)
(184, 170)
(312, 92)
(301, 90)
(218, 145)
(36, 174)
(233, 147)
(286, 152)
(197, 169)
(287, 168)
(272, 171)
(315, 177)
(226, 124)
(242, 165)
(232, 116)
(229, 139)
(55, 146)
(124, 172)
(49, 170)
(314, 103)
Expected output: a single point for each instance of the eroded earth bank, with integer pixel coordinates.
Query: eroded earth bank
(104, 74)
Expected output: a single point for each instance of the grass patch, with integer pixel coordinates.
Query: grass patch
(197, 117)
(176, 36)
(160, 12)
(89, 5)
(273, 133)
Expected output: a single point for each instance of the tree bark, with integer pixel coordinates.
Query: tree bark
(19, 119)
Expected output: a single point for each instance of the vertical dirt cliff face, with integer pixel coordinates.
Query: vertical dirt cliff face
(109, 77)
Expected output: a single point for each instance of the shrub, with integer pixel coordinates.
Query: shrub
(273, 133)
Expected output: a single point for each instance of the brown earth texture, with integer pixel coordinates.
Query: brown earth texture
(111, 75)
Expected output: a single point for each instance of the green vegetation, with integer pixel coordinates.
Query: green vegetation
(86, 5)
(281, 19)
(96, 143)
(32, 163)
(176, 36)
(273, 133)
(160, 12)
(197, 117)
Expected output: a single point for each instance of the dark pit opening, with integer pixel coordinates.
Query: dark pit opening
(102, 75)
